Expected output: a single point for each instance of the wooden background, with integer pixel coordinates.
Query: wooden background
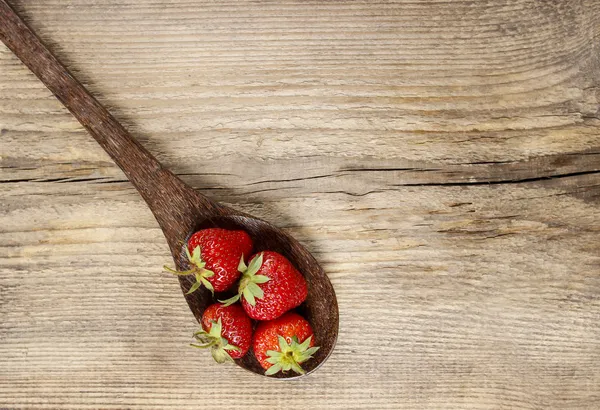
(440, 158)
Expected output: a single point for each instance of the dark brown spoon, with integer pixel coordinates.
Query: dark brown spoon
(179, 209)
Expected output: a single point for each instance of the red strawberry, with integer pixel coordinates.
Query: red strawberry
(270, 285)
(214, 254)
(284, 343)
(227, 330)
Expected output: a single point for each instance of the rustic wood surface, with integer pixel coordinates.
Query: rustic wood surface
(440, 159)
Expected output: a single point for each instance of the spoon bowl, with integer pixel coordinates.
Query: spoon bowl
(179, 209)
(320, 307)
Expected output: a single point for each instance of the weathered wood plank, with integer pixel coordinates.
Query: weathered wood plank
(440, 159)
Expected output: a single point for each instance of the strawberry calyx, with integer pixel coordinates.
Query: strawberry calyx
(198, 270)
(216, 342)
(249, 282)
(290, 355)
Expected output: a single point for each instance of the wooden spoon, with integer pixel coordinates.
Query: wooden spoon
(179, 209)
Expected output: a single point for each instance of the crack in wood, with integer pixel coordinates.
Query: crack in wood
(502, 182)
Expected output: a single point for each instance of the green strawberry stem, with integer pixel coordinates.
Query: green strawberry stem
(290, 356)
(216, 342)
(198, 270)
(179, 272)
(249, 283)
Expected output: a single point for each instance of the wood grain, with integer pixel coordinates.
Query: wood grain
(440, 159)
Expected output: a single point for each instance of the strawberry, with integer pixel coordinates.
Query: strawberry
(214, 254)
(226, 330)
(270, 285)
(284, 343)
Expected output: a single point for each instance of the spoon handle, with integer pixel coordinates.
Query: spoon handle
(168, 197)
